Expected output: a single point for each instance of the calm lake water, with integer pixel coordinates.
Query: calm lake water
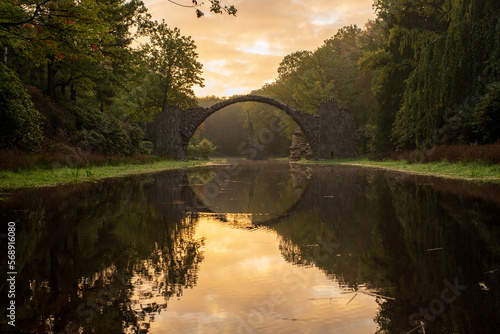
(255, 247)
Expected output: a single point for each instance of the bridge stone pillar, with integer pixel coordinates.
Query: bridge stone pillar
(337, 132)
(165, 134)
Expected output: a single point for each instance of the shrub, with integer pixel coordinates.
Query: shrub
(486, 116)
(54, 119)
(110, 136)
(190, 151)
(205, 148)
(21, 122)
(147, 147)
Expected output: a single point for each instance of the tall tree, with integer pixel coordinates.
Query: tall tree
(306, 78)
(391, 57)
(170, 60)
(453, 74)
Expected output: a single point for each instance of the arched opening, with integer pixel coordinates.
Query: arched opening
(239, 191)
(191, 119)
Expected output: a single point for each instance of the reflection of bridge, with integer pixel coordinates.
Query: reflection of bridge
(331, 133)
(240, 203)
(333, 190)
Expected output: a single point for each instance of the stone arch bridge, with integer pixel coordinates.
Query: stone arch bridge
(331, 133)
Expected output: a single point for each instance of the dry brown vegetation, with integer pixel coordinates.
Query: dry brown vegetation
(489, 154)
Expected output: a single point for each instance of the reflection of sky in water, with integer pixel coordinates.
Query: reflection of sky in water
(245, 285)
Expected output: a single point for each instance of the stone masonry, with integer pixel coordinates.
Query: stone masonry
(300, 147)
(331, 133)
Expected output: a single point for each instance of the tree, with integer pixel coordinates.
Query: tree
(306, 78)
(205, 148)
(486, 116)
(456, 60)
(72, 39)
(391, 58)
(20, 124)
(170, 61)
(272, 127)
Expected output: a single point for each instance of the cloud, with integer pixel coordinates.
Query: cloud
(262, 47)
(242, 53)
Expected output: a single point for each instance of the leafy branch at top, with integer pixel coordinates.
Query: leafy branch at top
(215, 7)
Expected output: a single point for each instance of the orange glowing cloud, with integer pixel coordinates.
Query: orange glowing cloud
(242, 53)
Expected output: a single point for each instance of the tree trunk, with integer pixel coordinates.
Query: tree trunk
(164, 104)
(63, 91)
(165, 99)
(51, 76)
(72, 93)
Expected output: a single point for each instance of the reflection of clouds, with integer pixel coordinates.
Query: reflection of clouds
(245, 284)
(261, 34)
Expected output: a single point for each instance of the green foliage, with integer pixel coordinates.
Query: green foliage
(190, 151)
(171, 68)
(216, 7)
(307, 78)
(21, 123)
(431, 70)
(110, 136)
(86, 79)
(205, 148)
(50, 31)
(486, 116)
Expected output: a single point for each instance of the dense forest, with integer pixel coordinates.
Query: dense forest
(422, 74)
(77, 76)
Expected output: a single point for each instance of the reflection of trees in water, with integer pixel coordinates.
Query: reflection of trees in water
(175, 258)
(81, 251)
(109, 256)
(404, 243)
(445, 237)
(201, 175)
(171, 267)
(325, 229)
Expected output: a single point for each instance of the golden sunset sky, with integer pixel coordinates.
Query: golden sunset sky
(242, 53)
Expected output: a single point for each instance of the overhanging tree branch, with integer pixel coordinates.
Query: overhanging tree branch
(215, 7)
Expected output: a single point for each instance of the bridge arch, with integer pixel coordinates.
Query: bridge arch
(332, 133)
(192, 118)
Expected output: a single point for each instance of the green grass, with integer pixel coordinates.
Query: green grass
(472, 171)
(476, 171)
(51, 177)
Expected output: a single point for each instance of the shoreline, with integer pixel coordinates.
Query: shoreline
(470, 172)
(39, 178)
(36, 178)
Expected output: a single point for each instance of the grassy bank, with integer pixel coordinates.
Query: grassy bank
(470, 171)
(51, 177)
